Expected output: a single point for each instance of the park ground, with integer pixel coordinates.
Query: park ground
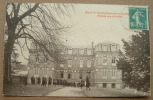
(63, 91)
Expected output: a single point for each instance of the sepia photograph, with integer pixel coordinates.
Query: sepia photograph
(76, 50)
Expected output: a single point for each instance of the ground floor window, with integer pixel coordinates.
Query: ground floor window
(69, 76)
(62, 74)
(88, 74)
(80, 76)
(113, 85)
(104, 85)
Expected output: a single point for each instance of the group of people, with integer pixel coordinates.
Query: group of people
(49, 81)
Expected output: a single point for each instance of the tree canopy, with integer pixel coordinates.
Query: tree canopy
(135, 62)
(39, 23)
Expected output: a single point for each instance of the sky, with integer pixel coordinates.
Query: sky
(87, 26)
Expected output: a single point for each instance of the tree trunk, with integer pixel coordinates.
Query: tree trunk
(7, 56)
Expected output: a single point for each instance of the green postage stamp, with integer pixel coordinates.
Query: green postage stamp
(138, 18)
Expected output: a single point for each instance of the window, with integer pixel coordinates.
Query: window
(88, 63)
(113, 61)
(75, 51)
(100, 61)
(89, 74)
(88, 51)
(104, 85)
(62, 74)
(81, 51)
(66, 51)
(113, 85)
(113, 47)
(104, 61)
(104, 47)
(69, 51)
(69, 63)
(80, 76)
(69, 76)
(104, 74)
(81, 63)
(36, 71)
(45, 71)
(113, 72)
(61, 65)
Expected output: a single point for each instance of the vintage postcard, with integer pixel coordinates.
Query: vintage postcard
(76, 50)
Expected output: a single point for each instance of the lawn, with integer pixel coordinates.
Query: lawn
(106, 92)
(29, 90)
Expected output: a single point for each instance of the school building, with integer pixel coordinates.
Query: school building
(98, 62)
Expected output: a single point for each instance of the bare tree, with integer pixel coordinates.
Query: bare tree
(38, 23)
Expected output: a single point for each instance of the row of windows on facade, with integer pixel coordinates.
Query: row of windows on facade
(104, 75)
(86, 51)
(113, 85)
(100, 61)
(38, 57)
(76, 51)
(104, 61)
(103, 47)
(45, 72)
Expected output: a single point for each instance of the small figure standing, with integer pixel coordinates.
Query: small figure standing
(44, 81)
(49, 81)
(87, 83)
(32, 80)
(38, 80)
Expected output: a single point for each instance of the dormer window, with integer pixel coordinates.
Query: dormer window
(81, 51)
(104, 47)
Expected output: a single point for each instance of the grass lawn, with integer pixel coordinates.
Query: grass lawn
(29, 90)
(105, 92)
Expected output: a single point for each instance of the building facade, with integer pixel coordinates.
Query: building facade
(96, 62)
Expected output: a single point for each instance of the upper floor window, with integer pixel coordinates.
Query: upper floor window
(100, 61)
(80, 75)
(75, 51)
(104, 47)
(113, 60)
(69, 51)
(81, 51)
(69, 63)
(113, 47)
(88, 63)
(45, 71)
(104, 61)
(61, 65)
(113, 72)
(36, 71)
(81, 63)
(88, 51)
(104, 72)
